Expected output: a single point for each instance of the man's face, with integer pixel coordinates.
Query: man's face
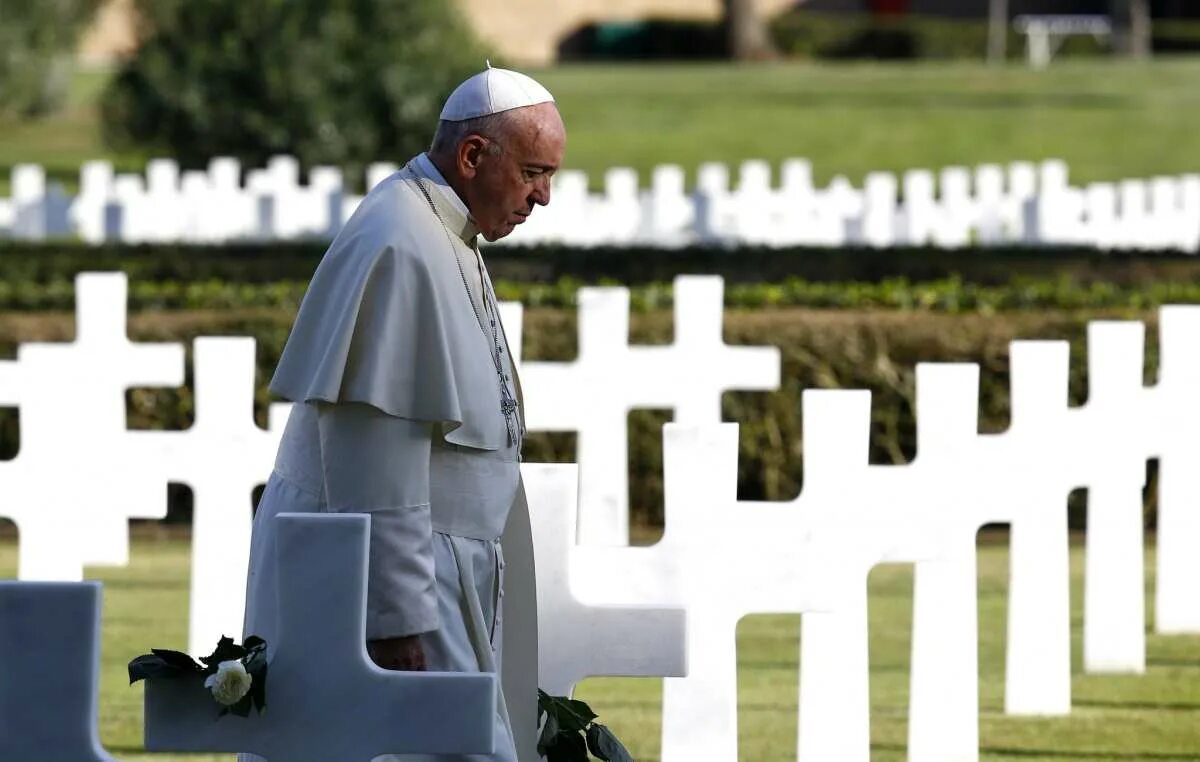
(507, 184)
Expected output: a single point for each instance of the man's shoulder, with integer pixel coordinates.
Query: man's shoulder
(392, 219)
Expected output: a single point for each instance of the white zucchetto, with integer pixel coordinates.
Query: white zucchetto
(492, 91)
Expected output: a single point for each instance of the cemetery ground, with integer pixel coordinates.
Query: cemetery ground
(1155, 716)
(1109, 120)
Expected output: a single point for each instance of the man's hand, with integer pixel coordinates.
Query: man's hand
(403, 654)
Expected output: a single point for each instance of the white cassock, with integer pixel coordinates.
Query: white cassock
(392, 364)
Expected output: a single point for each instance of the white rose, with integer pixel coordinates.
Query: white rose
(230, 683)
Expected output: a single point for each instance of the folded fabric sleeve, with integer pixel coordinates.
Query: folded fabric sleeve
(378, 464)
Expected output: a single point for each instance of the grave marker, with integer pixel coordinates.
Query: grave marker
(222, 457)
(50, 672)
(83, 519)
(326, 699)
(1115, 444)
(576, 640)
(1176, 418)
(757, 573)
(594, 394)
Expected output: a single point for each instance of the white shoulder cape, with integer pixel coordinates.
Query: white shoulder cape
(387, 320)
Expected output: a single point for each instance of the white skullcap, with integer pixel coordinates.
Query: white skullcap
(492, 91)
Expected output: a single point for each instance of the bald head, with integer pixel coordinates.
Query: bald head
(501, 164)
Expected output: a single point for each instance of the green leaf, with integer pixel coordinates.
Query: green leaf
(548, 736)
(258, 686)
(177, 658)
(604, 745)
(570, 747)
(226, 650)
(253, 642)
(572, 714)
(242, 707)
(154, 665)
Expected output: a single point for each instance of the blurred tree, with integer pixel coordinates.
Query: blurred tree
(747, 31)
(37, 49)
(342, 82)
(997, 31)
(1131, 27)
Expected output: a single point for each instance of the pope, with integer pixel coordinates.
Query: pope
(408, 406)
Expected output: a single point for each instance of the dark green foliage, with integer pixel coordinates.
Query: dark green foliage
(342, 82)
(547, 266)
(570, 732)
(804, 34)
(37, 50)
(166, 664)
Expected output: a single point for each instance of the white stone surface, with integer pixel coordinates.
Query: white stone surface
(594, 394)
(50, 672)
(340, 705)
(716, 561)
(576, 640)
(1176, 418)
(1115, 438)
(56, 386)
(222, 458)
(1027, 203)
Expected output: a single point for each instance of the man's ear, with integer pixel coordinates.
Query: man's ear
(470, 153)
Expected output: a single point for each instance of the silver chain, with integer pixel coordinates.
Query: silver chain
(508, 405)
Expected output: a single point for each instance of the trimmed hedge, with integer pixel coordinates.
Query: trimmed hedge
(259, 263)
(949, 295)
(876, 350)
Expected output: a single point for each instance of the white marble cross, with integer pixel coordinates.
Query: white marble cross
(222, 457)
(326, 699)
(576, 640)
(1175, 416)
(1038, 448)
(50, 671)
(855, 516)
(1114, 444)
(594, 394)
(71, 399)
(718, 559)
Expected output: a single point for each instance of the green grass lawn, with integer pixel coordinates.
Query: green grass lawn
(1109, 119)
(1155, 716)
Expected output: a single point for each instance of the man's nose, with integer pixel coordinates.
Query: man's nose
(541, 192)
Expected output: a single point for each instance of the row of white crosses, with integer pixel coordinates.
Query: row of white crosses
(811, 555)
(71, 403)
(168, 204)
(990, 204)
(720, 559)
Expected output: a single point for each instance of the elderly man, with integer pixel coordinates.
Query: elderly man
(408, 404)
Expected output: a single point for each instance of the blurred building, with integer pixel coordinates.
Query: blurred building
(111, 36)
(523, 31)
(538, 32)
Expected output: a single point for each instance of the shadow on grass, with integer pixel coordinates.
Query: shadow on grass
(1002, 751)
(1185, 663)
(1154, 706)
